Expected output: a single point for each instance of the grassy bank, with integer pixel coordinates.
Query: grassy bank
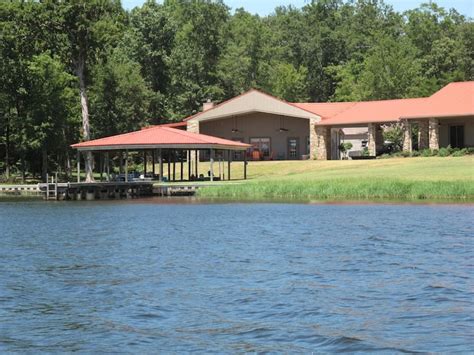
(411, 179)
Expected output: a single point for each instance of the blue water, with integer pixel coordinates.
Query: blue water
(147, 276)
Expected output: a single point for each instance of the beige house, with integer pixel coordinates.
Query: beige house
(280, 130)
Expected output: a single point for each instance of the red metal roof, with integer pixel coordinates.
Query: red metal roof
(455, 99)
(325, 109)
(160, 136)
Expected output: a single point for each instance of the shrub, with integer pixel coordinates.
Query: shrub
(426, 152)
(365, 152)
(460, 152)
(405, 154)
(450, 149)
(385, 156)
(444, 152)
(434, 152)
(470, 150)
(415, 153)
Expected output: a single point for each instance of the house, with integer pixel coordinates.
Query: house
(277, 129)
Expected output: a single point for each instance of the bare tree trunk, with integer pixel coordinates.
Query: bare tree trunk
(85, 118)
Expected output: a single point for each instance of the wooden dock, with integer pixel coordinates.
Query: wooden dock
(102, 190)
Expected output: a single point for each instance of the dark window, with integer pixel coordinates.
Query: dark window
(456, 136)
(293, 148)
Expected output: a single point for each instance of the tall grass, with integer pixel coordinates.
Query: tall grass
(345, 189)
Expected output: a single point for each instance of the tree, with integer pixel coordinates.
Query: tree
(289, 83)
(120, 98)
(90, 27)
(390, 70)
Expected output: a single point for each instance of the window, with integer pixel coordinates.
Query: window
(456, 136)
(262, 145)
(292, 148)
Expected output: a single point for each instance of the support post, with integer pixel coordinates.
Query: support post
(174, 165)
(153, 157)
(126, 165)
(211, 160)
(182, 167)
(78, 166)
(160, 159)
(144, 163)
(101, 165)
(107, 161)
(197, 161)
(189, 164)
(229, 159)
(169, 165)
(245, 166)
(120, 162)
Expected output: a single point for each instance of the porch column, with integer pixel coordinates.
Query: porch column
(407, 141)
(323, 134)
(423, 135)
(433, 127)
(372, 143)
(313, 140)
(379, 140)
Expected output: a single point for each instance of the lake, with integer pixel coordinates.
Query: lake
(179, 275)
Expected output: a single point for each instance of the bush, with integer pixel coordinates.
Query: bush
(470, 150)
(434, 152)
(426, 152)
(405, 154)
(460, 152)
(415, 153)
(385, 156)
(365, 152)
(444, 152)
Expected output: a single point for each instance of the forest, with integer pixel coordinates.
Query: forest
(82, 69)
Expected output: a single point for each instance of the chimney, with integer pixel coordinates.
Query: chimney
(207, 105)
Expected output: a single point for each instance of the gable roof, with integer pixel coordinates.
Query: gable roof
(254, 101)
(159, 137)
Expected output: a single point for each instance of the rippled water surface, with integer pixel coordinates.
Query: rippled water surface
(145, 276)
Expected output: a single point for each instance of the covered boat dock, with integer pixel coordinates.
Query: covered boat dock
(162, 145)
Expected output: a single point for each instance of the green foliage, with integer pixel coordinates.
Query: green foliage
(160, 61)
(443, 152)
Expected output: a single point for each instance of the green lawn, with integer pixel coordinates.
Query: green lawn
(434, 178)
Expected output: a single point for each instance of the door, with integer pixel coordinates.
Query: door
(456, 136)
(293, 148)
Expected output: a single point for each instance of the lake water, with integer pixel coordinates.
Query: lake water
(154, 275)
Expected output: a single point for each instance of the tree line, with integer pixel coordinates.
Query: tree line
(81, 69)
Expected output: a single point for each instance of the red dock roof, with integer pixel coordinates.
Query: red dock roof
(160, 137)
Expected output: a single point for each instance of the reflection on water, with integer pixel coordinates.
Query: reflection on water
(144, 276)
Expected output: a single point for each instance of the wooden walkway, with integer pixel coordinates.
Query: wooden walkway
(104, 190)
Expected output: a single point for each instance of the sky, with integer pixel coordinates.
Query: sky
(265, 7)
